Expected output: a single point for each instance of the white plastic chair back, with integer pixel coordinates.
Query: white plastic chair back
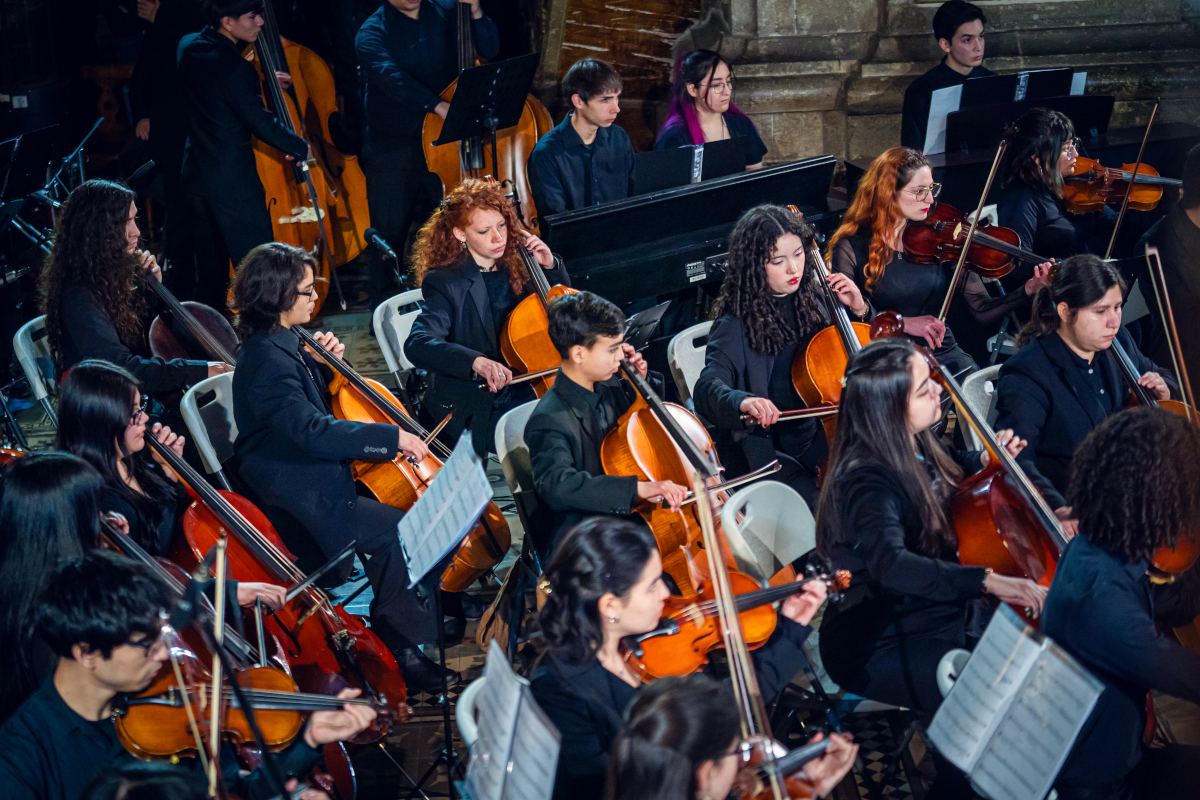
(979, 389)
(212, 426)
(512, 450)
(950, 667)
(685, 354)
(392, 322)
(464, 712)
(991, 215)
(33, 353)
(769, 526)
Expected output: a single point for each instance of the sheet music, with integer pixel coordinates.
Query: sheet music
(498, 703)
(1078, 82)
(1031, 744)
(942, 103)
(444, 514)
(975, 706)
(534, 757)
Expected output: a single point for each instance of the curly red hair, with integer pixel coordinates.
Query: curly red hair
(436, 246)
(875, 205)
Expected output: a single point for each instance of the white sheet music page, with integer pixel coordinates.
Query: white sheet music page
(534, 757)
(1039, 728)
(975, 706)
(447, 510)
(498, 703)
(942, 103)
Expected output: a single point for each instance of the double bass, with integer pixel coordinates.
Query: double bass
(505, 155)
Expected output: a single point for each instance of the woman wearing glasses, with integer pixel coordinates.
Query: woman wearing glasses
(702, 108)
(897, 189)
(1042, 150)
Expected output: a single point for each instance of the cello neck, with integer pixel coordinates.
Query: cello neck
(841, 319)
(215, 350)
(466, 41)
(1131, 375)
(699, 461)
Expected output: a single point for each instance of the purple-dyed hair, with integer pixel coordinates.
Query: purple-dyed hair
(692, 68)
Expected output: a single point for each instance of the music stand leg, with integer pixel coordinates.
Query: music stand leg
(15, 434)
(448, 753)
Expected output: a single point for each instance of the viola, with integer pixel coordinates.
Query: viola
(191, 330)
(400, 482)
(1094, 186)
(689, 632)
(504, 157)
(999, 517)
(327, 648)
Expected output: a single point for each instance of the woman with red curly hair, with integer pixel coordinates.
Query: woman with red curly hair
(468, 266)
(898, 188)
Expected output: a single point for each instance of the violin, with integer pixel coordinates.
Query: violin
(326, 647)
(939, 238)
(1000, 518)
(1094, 186)
(190, 330)
(400, 482)
(688, 633)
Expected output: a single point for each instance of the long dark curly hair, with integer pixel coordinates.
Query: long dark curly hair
(745, 293)
(436, 246)
(89, 251)
(596, 557)
(1135, 483)
(873, 429)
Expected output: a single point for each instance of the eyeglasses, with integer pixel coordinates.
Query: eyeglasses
(931, 191)
(141, 409)
(310, 292)
(147, 644)
(720, 87)
(1071, 146)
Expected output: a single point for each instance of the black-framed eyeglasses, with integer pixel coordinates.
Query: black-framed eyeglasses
(147, 644)
(310, 292)
(141, 409)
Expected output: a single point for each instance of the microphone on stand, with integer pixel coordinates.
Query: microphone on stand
(374, 238)
(185, 608)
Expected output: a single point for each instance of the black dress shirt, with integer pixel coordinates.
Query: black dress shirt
(565, 174)
(48, 752)
(1045, 227)
(587, 703)
(1103, 612)
(408, 62)
(914, 120)
(738, 125)
(88, 332)
(158, 530)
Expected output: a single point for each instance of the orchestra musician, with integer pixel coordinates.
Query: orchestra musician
(570, 421)
(471, 277)
(293, 456)
(151, 780)
(1064, 380)
(1135, 488)
(769, 308)
(868, 247)
(406, 50)
(92, 292)
(681, 741)
(605, 582)
(100, 616)
(882, 516)
(586, 159)
(225, 109)
(702, 108)
(958, 27)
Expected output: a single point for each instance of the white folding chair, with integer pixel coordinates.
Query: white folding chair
(979, 389)
(392, 321)
(464, 712)
(512, 450)
(950, 667)
(210, 422)
(685, 354)
(33, 353)
(769, 526)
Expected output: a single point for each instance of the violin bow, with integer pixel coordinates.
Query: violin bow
(1132, 180)
(962, 256)
(216, 785)
(1159, 281)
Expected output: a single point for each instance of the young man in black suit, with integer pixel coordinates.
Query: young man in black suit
(586, 160)
(571, 420)
(1135, 489)
(224, 110)
(958, 26)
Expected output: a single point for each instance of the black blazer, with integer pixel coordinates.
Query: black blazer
(564, 448)
(225, 108)
(293, 455)
(456, 326)
(587, 704)
(1043, 398)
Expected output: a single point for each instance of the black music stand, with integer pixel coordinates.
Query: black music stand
(982, 128)
(656, 170)
(487, 99)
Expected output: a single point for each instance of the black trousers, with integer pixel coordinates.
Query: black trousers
(225, 229)
(1164, 773)
(477, 410)
(400, 190)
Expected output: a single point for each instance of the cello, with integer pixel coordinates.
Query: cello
(504, 156)
(190, 329)
(326, 647)
(400, 482)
